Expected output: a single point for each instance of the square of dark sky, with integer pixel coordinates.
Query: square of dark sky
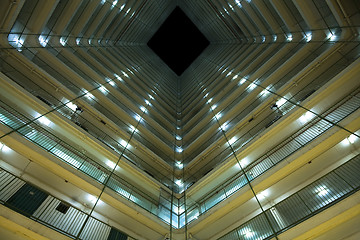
(178, 42)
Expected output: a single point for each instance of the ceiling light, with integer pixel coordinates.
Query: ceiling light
(133, 129)
(72, 106)
(179, 165)
(243, 80)
(43, 41)
(78, 41)
(280, 102)
(63, 41)
(179, 149)
(235, 77)
(123, 143)
(306, 117)
(178, 137)
(352, 138)
(110, 164)
(289, 38)
(143, 109)
(44, 120)
(232, 140)
(114, 3)
(179, 182)
(209, 101)
(213, 107)
(308, 37)
(118, 77)
(89, 95)
(262, 195)
(103, 89)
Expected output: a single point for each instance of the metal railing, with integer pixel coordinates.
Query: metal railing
(50, 211)
(309, 201)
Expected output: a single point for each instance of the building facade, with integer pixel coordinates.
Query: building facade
(257, 139)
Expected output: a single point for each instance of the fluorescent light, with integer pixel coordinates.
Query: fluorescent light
(179, 165)
(123, 143)
(213, 107)
(72, 106)
(306, 117)
(218, 115)
(89, 95)
(103, 89)
(308, 37)
(224, 126)
(147, 102)
(262, 195)
(44, 121)
(209, 101)
(178, 137)
(179, 182)
(252, 86)
(232, 140)
(352, 138)
(110, 164)
(137, 117)
(280, 102)
(43, 41)
(133, 129)
(179, 149)
(243, 80)
(289, 38)
(143, 109)
(118, 77)
(63, 41)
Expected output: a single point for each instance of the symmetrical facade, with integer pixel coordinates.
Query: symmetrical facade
(258, 139)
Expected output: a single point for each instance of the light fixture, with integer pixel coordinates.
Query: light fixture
(63, 41)
(289, 38)
(89, 95)
(179, 182)
(44, 120)
(280, 102)
(179, 149)
(306, 117)
(118, 77)
(308, 37)
(103, 89)
(123, 143)
(43, 40)
(137, 117)
(110, 164)
(232, 140)
(213, 107)
(209, 101)
(143, 109)
(133, 129)
(242, 81)
(78, 41)
(72, 106)
(178, 137)
(179, 165)
(352, 138)
(262, 195)
(218, 116)
(252, 86)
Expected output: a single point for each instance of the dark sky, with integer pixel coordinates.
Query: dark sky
(178, 42)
